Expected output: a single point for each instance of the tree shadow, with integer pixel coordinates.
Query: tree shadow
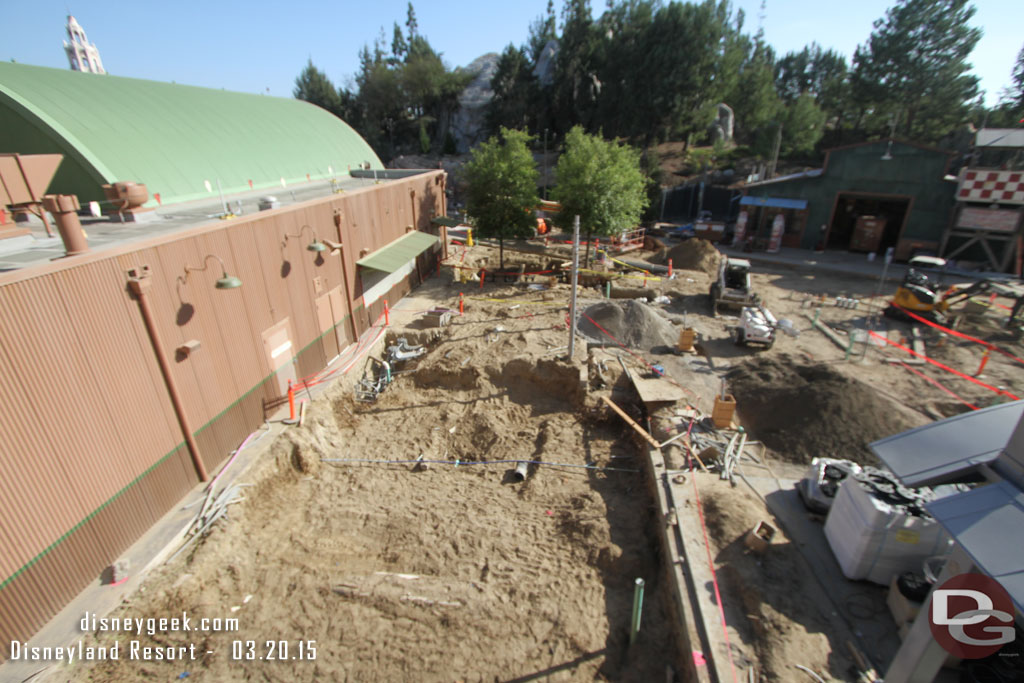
(633, 530)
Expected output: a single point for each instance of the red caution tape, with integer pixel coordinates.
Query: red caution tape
(1001, 392)
(955, 333)
(939, 385)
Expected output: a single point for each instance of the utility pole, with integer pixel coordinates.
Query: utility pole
(575, 275)
(545, 163)
(775, 154)
(872, 317)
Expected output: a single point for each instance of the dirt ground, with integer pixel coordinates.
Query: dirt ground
(446, 573)
(456, 571)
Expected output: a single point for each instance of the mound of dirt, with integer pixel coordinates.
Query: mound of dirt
(804, 411)
(630, 322)
(693, 254)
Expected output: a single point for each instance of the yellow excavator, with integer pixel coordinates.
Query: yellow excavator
(922, 297)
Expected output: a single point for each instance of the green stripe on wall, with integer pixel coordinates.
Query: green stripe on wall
(10, 579)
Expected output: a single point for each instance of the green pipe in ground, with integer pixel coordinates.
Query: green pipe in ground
(638, 605)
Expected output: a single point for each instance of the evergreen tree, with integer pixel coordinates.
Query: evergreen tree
(823, 74)
(515, 92)
(576, 87)
(501, 180)
(542, 31)
(803, 123)
(1017, 91)
(914, 69)
(313, 86)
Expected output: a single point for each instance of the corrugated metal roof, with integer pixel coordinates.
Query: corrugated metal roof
(814, 173)
(174, 137)
(392, 257)
(936, 452)
(984, 522)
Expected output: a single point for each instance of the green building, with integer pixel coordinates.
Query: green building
(181, 141)
(866, 197)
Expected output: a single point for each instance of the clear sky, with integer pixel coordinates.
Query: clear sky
(252, 46)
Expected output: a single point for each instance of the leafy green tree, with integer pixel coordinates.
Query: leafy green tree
(313, 86)
(501, 179)
(601, 182)
(914, 69)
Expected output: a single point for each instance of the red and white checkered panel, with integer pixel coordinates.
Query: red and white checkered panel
(1001, 187)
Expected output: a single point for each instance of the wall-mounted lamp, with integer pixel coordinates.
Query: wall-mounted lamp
(888, 152)
(225, 281)
(315, 245)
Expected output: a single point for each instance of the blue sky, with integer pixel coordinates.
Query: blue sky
(252, 46)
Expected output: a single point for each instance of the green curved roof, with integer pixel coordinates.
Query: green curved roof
(171, 137)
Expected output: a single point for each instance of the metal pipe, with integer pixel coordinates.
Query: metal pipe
(64, 209)
(339, 217)
(638, 606)
(519, 474)
(575, 276)
(139, 286)
(464, 463)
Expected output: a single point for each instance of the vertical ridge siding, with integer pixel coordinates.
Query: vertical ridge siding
(93, 452)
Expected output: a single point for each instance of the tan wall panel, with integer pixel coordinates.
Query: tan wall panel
(86, 408)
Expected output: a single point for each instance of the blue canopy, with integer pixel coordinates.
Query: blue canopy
(775, 202)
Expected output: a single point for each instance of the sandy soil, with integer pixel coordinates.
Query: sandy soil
(400, 572)
(511, 579)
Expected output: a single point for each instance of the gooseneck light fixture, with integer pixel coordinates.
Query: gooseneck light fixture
(316, 245)
(225, 281)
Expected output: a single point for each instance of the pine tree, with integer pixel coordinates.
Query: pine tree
(914, 69)
(313, 86)
(515, 92)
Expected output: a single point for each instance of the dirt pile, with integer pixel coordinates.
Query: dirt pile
(693, 254)
(802, 411)
(630, 322)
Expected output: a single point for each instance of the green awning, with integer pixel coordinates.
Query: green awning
(392, 257)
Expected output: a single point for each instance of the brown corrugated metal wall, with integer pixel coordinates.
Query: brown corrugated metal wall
(93, 453)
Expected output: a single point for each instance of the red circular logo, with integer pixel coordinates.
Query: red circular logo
(971, 616)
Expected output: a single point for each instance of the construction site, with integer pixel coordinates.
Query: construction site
(330, 434)
(459, 499)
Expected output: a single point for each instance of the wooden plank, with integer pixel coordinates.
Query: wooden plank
(631, 422)
(917, 343)
(657, 390)
(688, 627)
(695, 558)
(828, 332)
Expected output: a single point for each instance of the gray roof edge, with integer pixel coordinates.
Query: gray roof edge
(1018, 405)
(942, 469)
